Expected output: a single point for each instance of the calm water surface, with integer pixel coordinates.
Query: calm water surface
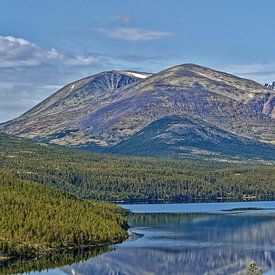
(214, 238)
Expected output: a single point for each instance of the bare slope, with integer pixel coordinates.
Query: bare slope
(60, 114)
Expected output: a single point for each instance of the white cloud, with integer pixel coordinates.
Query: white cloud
(16, 52)
(252, 68)
(19, 52)
(84, 60)
(16, 98)
(134, 34)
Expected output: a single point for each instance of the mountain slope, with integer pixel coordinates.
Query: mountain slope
(182, 137)
(106, 109)
(237, 105)
(46, 219)
(133, 179)
(62, 111)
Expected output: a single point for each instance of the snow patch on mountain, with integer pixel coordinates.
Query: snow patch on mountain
(136, 74)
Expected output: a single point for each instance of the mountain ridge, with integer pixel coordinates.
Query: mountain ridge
(143, 92)
(108, 108)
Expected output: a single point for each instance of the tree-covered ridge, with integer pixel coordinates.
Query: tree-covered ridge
(110, 177)
(36, 219)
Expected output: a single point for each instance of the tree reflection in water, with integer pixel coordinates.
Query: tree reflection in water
(50, 261)
(181, 244)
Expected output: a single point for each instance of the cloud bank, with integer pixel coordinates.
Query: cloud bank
(19, 52)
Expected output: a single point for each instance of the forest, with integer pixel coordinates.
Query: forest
(37, 219)
(136, 179)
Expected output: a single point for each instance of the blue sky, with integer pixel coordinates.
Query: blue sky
(46, 44)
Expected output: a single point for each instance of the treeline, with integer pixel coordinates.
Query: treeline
(35, 219)
(117, 178)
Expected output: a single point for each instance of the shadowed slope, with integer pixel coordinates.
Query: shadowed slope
(184, 137)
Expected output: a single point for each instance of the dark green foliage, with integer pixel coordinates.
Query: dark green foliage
(110, 177)
(35, 219)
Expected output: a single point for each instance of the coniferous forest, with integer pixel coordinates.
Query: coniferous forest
(37, 219)
(135, 179)
(48, 192)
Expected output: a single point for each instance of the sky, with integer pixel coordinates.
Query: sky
(46, 44)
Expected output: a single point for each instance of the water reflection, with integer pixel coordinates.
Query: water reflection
(188, 244)
(50, 261)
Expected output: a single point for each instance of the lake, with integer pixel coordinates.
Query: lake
(205, 238)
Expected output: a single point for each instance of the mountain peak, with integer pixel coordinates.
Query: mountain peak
(108, 108)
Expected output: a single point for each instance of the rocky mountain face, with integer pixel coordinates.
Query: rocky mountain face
(107, 109)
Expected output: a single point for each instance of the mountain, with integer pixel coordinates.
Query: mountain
(237, 105)
(61, 113)
(108, 110)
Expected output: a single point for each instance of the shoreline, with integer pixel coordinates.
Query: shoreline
(42, 252)
(198, 200)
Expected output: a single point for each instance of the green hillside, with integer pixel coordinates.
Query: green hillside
(116, 178)
(35, 219)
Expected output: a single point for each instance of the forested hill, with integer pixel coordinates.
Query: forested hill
(37, 219)
(115, 178)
